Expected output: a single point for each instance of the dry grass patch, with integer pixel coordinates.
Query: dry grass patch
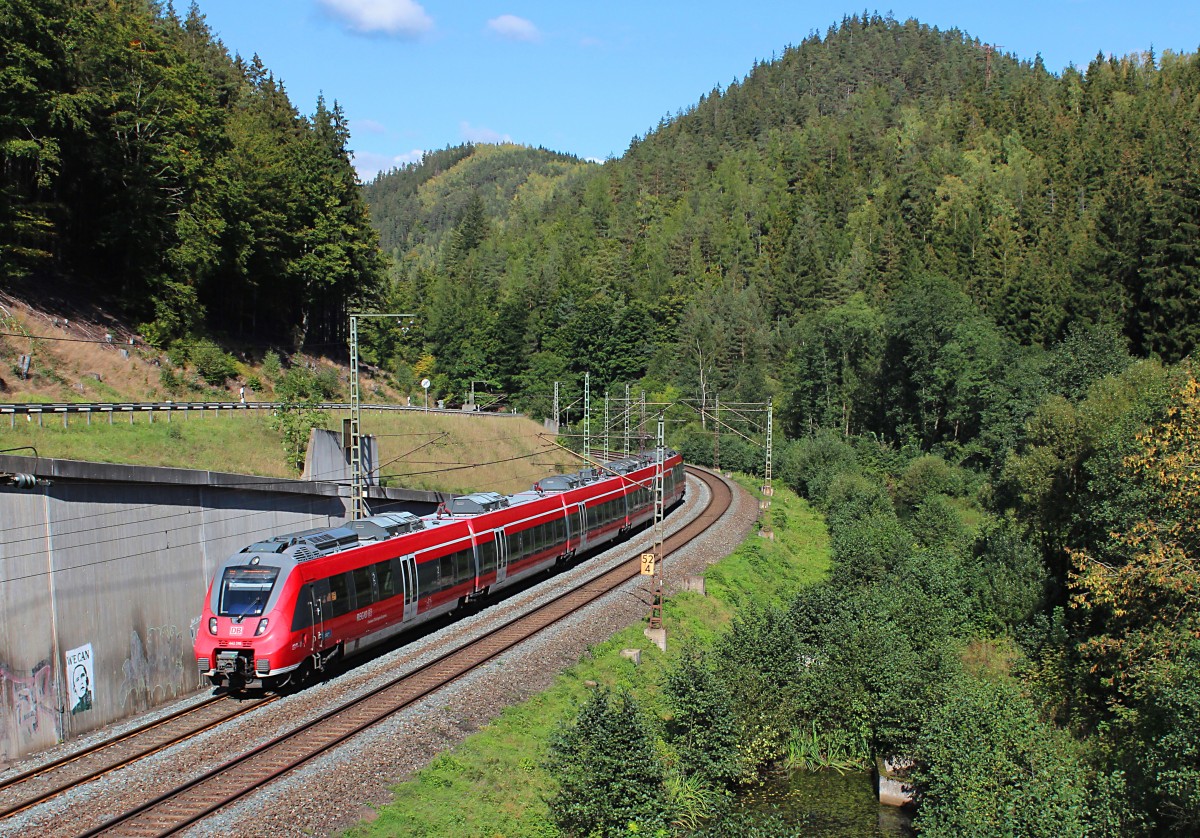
(462, 453)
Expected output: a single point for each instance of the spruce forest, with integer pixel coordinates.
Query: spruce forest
(969, 283)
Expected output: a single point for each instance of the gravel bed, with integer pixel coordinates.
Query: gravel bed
(334, 792)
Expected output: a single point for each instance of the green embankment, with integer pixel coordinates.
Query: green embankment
(494, 782)
(437, 451)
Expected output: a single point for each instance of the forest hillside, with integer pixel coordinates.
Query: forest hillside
(969, 286)
(966, 283)
(878, 155)
(147, 169)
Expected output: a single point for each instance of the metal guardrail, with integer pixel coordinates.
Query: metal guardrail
(102, 408)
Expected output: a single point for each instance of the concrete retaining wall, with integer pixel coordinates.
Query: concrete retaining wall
(102, 576)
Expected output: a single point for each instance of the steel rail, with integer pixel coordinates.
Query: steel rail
(51, 779)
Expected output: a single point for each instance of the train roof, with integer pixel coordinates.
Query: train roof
(477, 503)
(306, 545)
(625, 465)
(385, 525)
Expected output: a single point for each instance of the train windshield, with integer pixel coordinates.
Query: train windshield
(245, 590)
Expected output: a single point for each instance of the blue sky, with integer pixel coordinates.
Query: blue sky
(585, 78)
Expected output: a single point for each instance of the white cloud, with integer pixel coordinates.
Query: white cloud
(368, 163)
(475, 134)
(401, 18)
(513, 28)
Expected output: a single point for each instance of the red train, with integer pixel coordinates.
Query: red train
(281, 609)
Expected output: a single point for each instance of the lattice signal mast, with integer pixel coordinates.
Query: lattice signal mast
(604, 458)
(717, 433)
(656, 604)
(587, 415)
(768, 490)
(628, 411)
(358, 489)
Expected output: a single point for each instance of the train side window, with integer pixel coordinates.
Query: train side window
(302, 619)
(427, 577)
(339, 595)
(445, 572)
(487, 556)
(364, 587)
(385, 578)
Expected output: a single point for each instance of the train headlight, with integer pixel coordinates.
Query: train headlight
(262, 626)
(212, 626)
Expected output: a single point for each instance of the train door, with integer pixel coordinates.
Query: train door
(583, 530)
(317, 593)
(408, 573)
(501, 554)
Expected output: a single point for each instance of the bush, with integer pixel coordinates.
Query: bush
(215, 365)
(609, 777)
(177, 313)
(328, 385)
(737, 454)
(870, 548)
(988, 765)
(171, 383)
(810, 465)
(299, 384)
(1010, 579)
(704, 730)
(178, 353)
(272, 366)
(852, 497)
(925, 477)
(935, 522)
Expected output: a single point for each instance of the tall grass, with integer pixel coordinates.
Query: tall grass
(814, 749)
(692, 802)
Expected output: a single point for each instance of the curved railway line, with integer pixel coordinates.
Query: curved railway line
(241, 775)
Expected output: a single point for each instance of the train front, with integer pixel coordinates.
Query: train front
(244, 637)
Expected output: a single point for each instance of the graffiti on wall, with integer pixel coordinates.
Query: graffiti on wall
(30, 708)
(80, 678)
(154, 670)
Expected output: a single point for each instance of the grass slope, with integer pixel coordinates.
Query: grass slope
(437, 451)
(494, 783)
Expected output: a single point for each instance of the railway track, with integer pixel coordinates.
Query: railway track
(243, 774)
(45, 782)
